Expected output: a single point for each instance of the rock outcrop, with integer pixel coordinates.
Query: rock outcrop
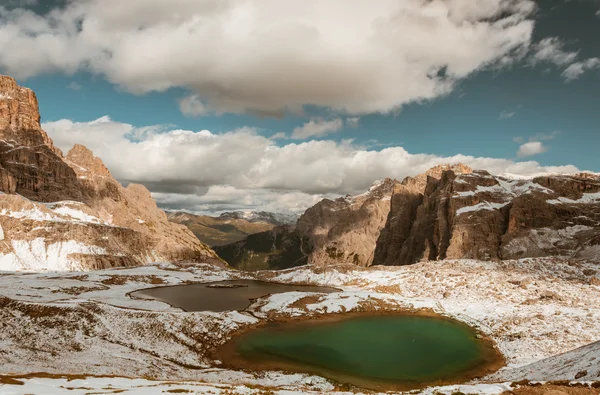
(480, 216)
(448, 212)
(69, 213)
(332, 231)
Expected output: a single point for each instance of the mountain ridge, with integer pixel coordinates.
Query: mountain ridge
(67, 212)
(451, 211)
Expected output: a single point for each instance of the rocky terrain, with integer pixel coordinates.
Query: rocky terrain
(332, 231)
(229, 227)
(541, 313)
(480, 216)
(66, 212)
(450, 211)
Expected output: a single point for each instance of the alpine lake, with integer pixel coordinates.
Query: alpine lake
(376, 350)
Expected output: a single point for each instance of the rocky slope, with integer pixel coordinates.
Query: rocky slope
(448, 212)
(67, 212)
(226, 228)
(480, 216)
(332, 231)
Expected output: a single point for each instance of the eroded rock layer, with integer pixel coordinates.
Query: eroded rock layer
(67, 212)
(480, 216)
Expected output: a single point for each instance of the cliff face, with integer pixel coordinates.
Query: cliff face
(345, 230)
(448, 212)
(332, 231)
(69, 213)
(480, 216)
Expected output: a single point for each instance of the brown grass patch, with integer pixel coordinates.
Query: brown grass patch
(388, 289)
(10, 381)
(121, 280)
(78, 290)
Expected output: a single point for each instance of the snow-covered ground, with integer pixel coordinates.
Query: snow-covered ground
(85, 323)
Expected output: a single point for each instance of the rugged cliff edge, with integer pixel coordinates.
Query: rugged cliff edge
(450, 211)
(332, 231)
(480, 216)
(67, 212)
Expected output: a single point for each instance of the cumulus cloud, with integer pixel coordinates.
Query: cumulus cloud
(576, 69)
(192, 106)
(531, 148)
(551, 50)
(267, 56)
(182, 166)
(317, 127)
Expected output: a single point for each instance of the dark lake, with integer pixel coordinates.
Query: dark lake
(221, 295)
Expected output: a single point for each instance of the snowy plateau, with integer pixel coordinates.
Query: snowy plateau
(80, 333)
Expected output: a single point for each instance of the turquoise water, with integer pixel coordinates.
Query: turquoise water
(391, 348)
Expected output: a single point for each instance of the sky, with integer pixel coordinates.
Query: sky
(220, 105)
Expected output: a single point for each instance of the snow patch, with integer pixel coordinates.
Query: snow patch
(36, 255)
(586, 198)
(480, 206)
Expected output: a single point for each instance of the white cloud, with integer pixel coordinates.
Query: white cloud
(575, 70)
(317, 127)
(551, 50)
(506, 114)
(221, 198)
(519, 139)
(182, 165)
(531, 148)
(192, 106)
(545, 136)
(279, 136)
(74, 86)
(352, 122)
(268, 56)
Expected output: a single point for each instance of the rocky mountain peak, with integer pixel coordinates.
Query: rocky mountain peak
(69, 213)
(18, 106)
(20, 116)
(419, 182)
(86, 161)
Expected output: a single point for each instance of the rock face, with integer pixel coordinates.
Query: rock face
(480, 216)
(346, 229)
(69, 213)
(448, 212)
(332, 231)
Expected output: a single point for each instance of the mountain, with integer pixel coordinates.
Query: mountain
(62, 212)
(450, 211)
(332, 231)
(229, 227)
(261, 216)
(480, 216)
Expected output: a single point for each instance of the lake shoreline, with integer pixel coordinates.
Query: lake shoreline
(230, 358)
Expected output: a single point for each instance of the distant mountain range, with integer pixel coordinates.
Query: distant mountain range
(230, 227)
(449, 212)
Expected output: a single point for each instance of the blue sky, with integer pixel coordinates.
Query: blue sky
(490, 111)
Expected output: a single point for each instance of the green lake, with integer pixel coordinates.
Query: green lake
(370, 351)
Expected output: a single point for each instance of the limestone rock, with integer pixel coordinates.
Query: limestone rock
(69, 213)
(479, 216)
